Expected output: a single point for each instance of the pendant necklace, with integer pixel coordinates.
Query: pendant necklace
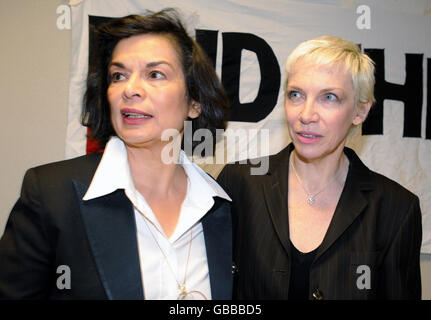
(184, 294)
(311, 197)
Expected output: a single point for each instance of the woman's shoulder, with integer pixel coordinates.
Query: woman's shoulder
(247, 176)
(260, 167)
(89, 160)
(391, 187)
(380, 183)
(79, 168)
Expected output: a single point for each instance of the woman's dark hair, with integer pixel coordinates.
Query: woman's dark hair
(202, 83)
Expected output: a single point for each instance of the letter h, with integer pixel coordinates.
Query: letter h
(411, 93)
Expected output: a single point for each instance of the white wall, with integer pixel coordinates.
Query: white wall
(34, 68)
(34, 64)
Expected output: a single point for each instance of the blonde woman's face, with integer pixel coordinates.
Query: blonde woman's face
(320, 108)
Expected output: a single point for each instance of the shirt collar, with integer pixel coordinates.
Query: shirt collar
(113, 173)
(200, 182)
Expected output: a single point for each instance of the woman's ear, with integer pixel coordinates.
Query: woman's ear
(361, 112)
(195, 110)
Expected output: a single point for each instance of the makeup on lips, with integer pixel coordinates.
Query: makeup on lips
(134, 116)
(308, 137)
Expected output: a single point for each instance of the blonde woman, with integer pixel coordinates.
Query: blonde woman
(320, 224)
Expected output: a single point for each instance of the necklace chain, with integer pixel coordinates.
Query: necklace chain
(181, 286)
(311, 198)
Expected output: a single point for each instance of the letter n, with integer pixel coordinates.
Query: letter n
(207, 39)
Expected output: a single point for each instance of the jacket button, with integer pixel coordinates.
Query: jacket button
(317, 295)
(234, 269)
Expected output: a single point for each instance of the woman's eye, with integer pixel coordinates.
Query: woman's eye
(156, 75)
(117, 76)
(330, 97)
(294, 95)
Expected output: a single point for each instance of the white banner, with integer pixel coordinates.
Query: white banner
(251, 40)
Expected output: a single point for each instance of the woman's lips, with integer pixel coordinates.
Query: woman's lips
(308, 137)
(134, 116)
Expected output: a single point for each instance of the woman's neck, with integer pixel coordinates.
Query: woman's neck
(314, 174)
(151, 170)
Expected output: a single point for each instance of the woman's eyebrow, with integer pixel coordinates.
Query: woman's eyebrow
(325, 90)
(148, 65)
(289, 87)
(116, 64)
(157, 63)
(293, 87)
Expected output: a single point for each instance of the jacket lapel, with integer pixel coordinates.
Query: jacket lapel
(275, 188)
(111, 229)
(352, 201)
(351, 204)
(217, 227)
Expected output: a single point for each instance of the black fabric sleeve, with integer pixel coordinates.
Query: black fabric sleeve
(401, 267)
(25, 262)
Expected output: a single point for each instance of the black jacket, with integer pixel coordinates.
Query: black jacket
(51, 226)
(377, 223)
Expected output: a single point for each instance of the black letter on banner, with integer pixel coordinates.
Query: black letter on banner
(410, 93)
(207, 39)
(428, 125)
(266, 99)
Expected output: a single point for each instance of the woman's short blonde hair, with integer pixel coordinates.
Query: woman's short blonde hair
(330, 50)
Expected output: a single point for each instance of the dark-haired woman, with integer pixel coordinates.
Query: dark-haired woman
(139, 221)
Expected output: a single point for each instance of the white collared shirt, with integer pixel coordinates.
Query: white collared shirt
(157, 268)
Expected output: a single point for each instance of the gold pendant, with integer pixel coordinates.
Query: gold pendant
(183, 292)
(190, 295)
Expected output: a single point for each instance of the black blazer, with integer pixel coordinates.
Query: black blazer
(377, 223)
(51, 226)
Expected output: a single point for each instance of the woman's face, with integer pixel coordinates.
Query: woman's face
(147, 91)
(320, 108)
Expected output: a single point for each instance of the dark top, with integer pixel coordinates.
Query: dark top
(300, 273)
(377, 223)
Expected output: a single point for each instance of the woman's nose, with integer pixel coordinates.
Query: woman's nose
(309, 112)
(133, 88)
